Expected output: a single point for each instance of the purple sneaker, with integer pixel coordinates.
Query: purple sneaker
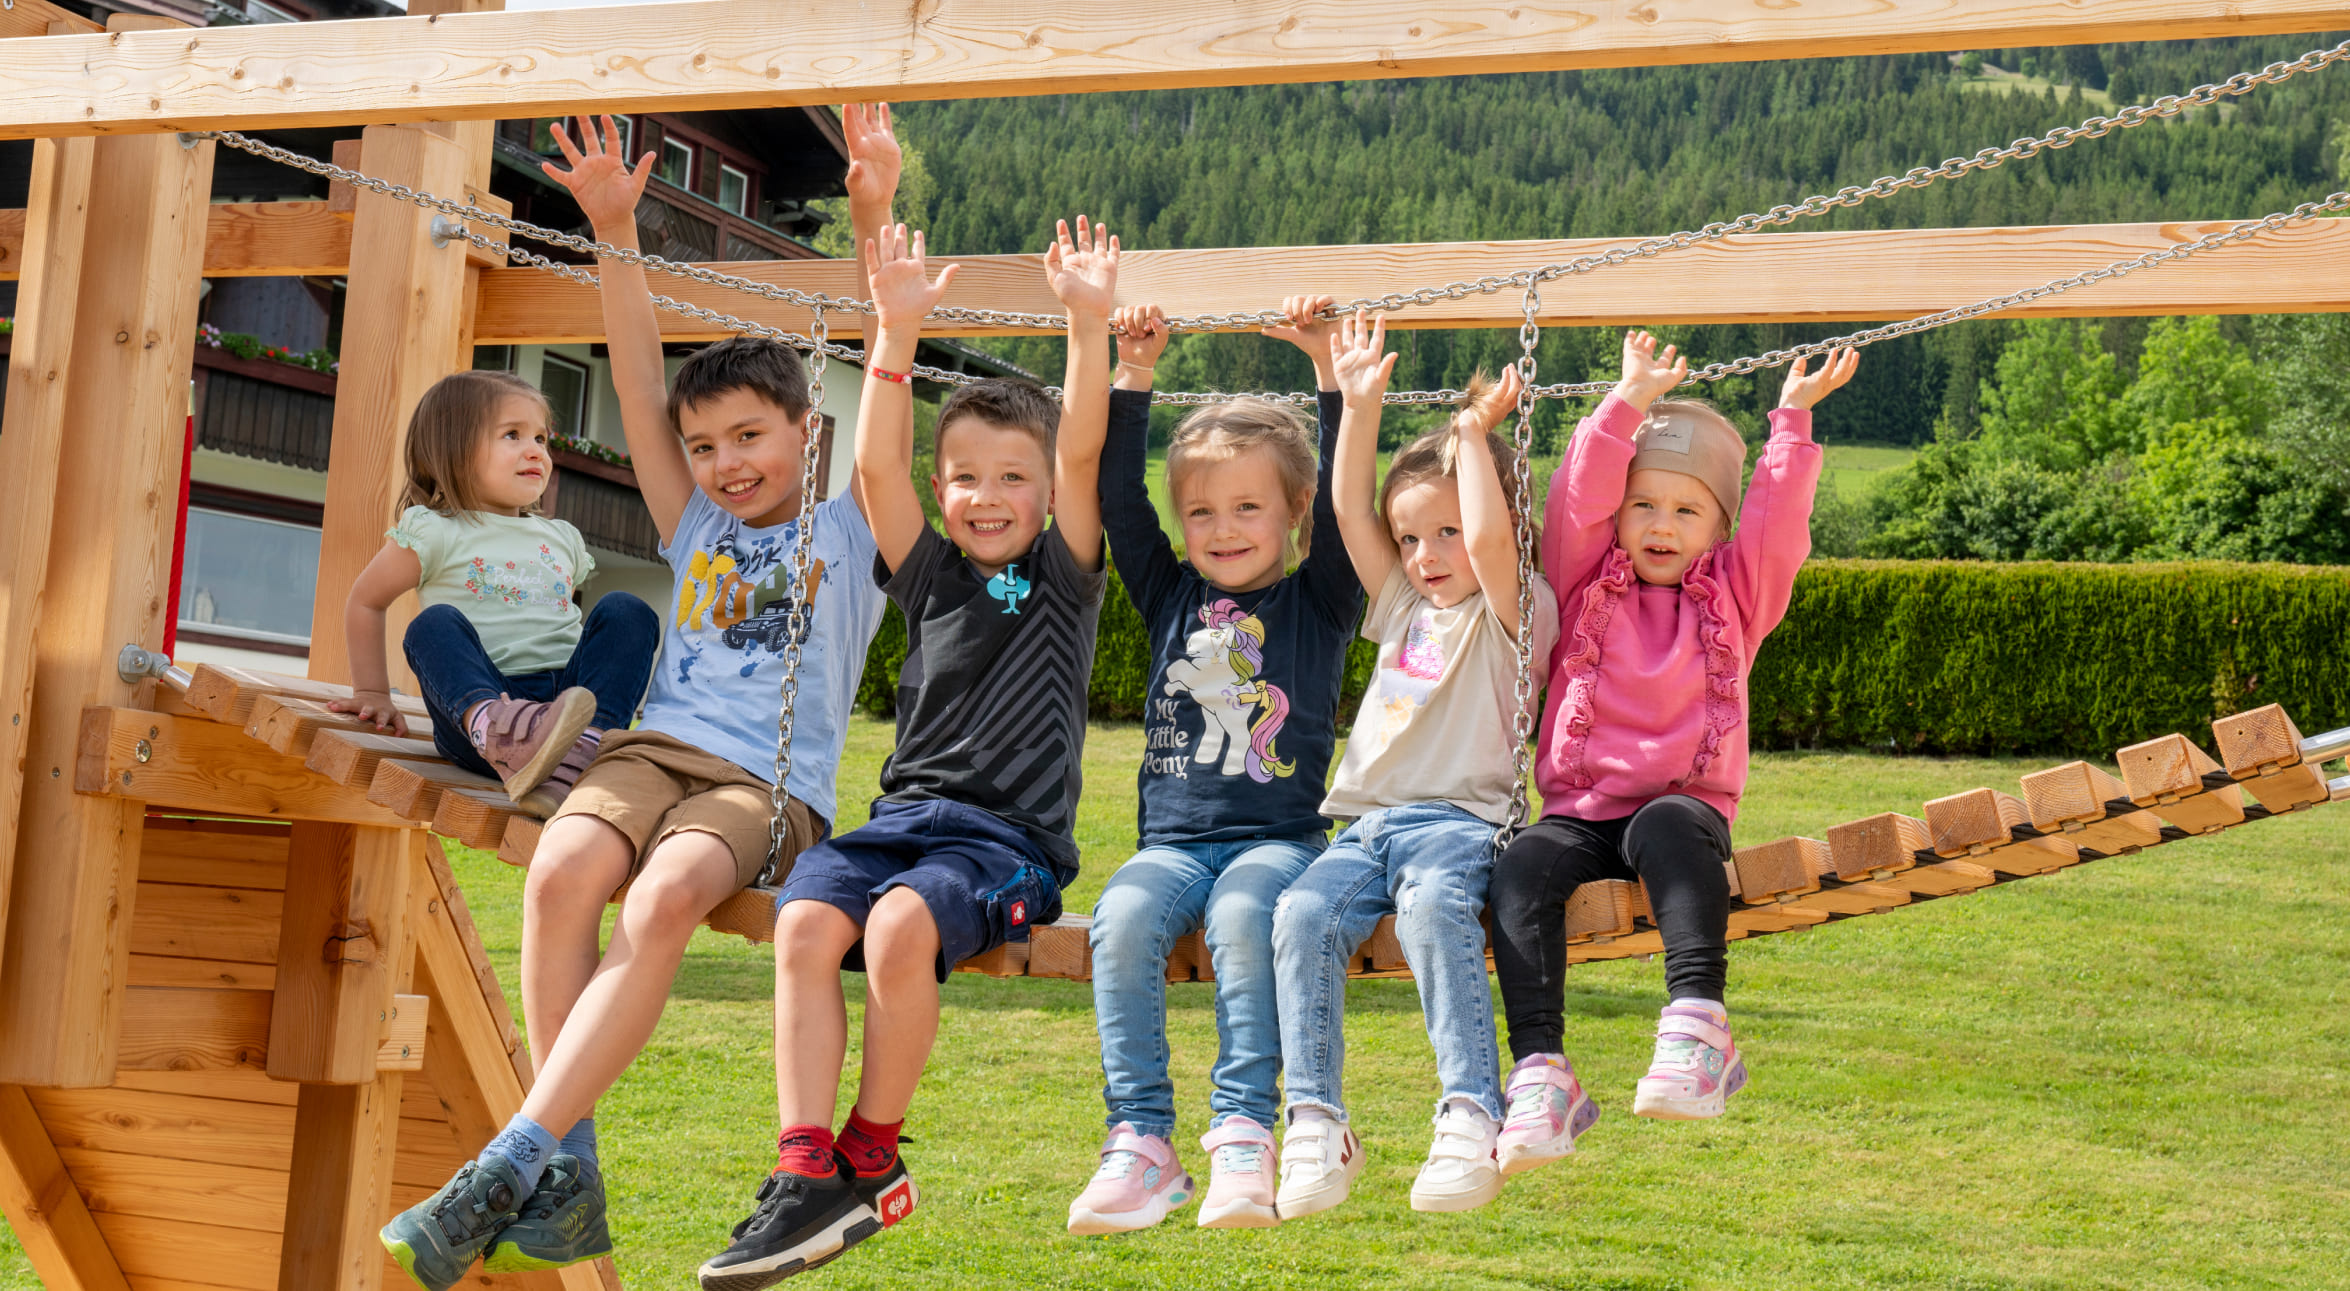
(1696, 1067)
(1548, 1111)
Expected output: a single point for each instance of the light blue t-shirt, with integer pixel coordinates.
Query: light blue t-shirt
(719, 683)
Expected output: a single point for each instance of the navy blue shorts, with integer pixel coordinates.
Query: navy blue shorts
(985, 880)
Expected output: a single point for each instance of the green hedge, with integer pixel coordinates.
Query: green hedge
(1956, 656)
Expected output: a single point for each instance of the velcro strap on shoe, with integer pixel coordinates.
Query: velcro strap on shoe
(1697, 1024)
(1236, 1131)
(1156, 1151)
(1541, 1074)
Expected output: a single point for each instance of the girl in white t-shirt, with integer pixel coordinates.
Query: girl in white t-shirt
(518, 685)
(1426, 779)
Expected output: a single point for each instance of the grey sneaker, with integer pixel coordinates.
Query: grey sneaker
(562, 1224)
(436, 1239)
(527, 740)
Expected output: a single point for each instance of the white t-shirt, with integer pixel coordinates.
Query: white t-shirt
(1435, 721)
(510, 576)
(719, 684)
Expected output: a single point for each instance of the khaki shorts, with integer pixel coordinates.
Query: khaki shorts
(648, 786)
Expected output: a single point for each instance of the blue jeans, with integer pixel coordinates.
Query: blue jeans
(1429, 865)
(614, 658)
(1161, 894)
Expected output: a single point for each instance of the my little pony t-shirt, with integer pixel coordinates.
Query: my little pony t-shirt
(1435, 722)
(1240, 717)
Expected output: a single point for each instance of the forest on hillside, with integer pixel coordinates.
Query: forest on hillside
(1637, 152)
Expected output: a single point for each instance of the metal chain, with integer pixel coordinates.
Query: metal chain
(1522, 500)
(2095, 127)
(800, 616)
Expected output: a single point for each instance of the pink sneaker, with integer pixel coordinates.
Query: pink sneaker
(1548, 1111)
(1138, 1183)
(1696, 1067)
(1240, 1189)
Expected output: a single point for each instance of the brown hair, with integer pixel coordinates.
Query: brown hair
(767, 368)
(446, 431)
(1219, 432)
(1012, 404)
(1433, 457)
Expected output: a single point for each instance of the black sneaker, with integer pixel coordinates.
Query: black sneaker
(438, 1238)
(796, 1224)
(891, 1194)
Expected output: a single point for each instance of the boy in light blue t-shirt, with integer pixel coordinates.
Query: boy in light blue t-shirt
(678, 810)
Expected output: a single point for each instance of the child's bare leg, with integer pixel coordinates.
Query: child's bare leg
(580, 862)
(901, 1003)
(685, 877)
(811, 1017)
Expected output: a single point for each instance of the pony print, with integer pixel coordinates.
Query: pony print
(1242, 712)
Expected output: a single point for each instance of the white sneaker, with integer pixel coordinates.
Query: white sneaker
(1462, 1171)
(1319, 1162)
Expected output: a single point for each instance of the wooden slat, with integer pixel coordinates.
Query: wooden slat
(2165, 774)
(724, 54)
(1853, 898)
(44, 1209)
(238, 924)
(1774, 918)
(521, 840)
(1878, 847)
(1845, 276)
(214, 853)
(346, 906)
(193, 1030)
(232, 1084)
(1980, 823)
(116, 489)
(412, 790)
(226, 1196)
(1382, 952)
(233, 1258)
(227, 694)
(2262, 748)
(2072, 799)
(200, 974)
(205, 766)
(474, 817)
(1601, 910)
(1780, 868)
(347, 757)
(244, 240)
(1060, 949)
(178, 1127)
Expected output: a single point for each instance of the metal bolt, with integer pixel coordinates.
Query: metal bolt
(403, 1051)
(144, 752)
(380, 1017)
(154, 732)
(55, 772)
(126, 779)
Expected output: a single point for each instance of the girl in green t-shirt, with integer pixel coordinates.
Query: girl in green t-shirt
(518, 684)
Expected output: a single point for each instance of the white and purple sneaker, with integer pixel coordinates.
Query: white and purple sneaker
(1696, 1067)
(1138, 1183)
(1548, 1111)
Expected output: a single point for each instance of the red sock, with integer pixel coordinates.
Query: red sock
(806, 1150)
(871, 1147)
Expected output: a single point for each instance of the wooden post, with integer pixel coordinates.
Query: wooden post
(115, 504)
(479, 139)
(402, 321)
(338, 951)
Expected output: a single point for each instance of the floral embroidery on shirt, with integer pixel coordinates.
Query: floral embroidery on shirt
(512, 582)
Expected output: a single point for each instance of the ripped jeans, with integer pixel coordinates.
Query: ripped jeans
(1429, 865)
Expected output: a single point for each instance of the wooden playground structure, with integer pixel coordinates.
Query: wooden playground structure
(235, 969)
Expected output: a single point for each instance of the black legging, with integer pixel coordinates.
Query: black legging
(1676, 845)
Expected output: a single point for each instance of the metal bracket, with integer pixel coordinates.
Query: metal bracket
(189, 139)
(445, 231)
(135, 663)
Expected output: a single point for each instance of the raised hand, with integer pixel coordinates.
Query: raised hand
(1494, 406)
(1359, 359)
(600, 179)
(1305, 329)
(1083, 273)
(1648, 373)
(1142, 335)
(1803, 389)
(875, 161)
(902, 290)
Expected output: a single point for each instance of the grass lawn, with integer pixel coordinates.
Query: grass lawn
(1855, 470)
(2123, 1075)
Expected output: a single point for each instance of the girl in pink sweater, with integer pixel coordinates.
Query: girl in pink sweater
(1643, 746)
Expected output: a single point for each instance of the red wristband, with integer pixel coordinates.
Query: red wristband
(901, 378)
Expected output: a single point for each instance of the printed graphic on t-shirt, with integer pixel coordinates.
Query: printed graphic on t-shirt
(1403, 690)
(728, 600)
(1007, 586)
(514, 582)
(1241, 713)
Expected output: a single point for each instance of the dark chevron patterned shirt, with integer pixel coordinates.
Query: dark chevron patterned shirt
(991, 698)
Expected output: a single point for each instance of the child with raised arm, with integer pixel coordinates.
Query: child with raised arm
(677, 810)
(971, 840)
(1426, 781)
(1643, 743)
(518, 685)
(1240, 718)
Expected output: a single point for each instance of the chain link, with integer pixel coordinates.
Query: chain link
(1522, 502)
(800, 616)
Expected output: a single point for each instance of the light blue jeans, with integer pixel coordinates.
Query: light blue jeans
(1155, 898)
(1429, 865)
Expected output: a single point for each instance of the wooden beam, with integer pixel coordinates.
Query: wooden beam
(241, 240)
(402, 317)
(346, 902)
(725, 53)
(203, 1029)
(44, 1209)
(116, 492)
(32, 437)
(41, 18)
(195, 765)
(1836, 277)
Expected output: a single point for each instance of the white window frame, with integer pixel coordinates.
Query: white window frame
(670, 145)
(587, 373)
(230, 630)
(743, 206)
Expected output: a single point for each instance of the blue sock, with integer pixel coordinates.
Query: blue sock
(581, 1142)
(525, 1145)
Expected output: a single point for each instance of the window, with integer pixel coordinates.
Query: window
(542, 136)
(677, 162)
(734, 189)
(249, 578)
(493, 358)
(565, 383)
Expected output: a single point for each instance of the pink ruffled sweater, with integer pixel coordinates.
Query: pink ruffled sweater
(1648, 684)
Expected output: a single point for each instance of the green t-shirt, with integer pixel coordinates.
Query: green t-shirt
(511, 576)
